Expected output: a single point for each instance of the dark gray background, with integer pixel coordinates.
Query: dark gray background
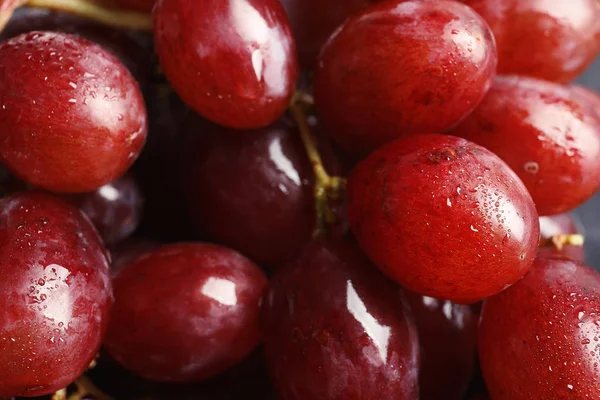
(589, 213)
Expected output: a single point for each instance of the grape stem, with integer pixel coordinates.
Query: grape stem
(83, 8)
(326, 186)
(561, 240)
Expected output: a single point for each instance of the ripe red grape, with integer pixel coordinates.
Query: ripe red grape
(444, 217)
(541, 338)
(548, 137)
(313, 21)
(447, 338)
(335, 328)
(185, 312)
(72, 117)
(403, 67)
(115, 208)
(252, 191)
(553, 40)
(132, 48)
(234, 62)
(55, 294)
(561, 224)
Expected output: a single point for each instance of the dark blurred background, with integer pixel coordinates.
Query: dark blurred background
(589, 213)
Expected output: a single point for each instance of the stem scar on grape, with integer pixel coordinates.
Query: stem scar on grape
(327, 187)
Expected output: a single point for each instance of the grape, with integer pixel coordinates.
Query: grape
(313, 21)
(443, 217)
(55, 294)
(185, 312)
(553, 40)
(447, 339)
(548, 137)
(540, 338)
(115, 208)
(132, 48)
(72, 117)
(234, 62)
(334, 328)
(562, 224)
(252, 191)
(403, 67)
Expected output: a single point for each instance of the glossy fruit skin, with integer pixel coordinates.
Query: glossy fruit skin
(561, 224)
(447, 335)
(115, 209)
(334, 328)
(562, 38)
(77, 130)
(252, 191)
(185, 312)
(132, 48)
(443, 217)
(313, 21)
(233, 62)
(545, 134)
(55, 294)
(398, 68)
(540, 338)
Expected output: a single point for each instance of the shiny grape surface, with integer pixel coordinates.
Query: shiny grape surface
(185, 312)
(234, 62)
(334, 328)
(541, 338)
(443, 217)
(402, 67)
(553, 40)
(72, 117)
(55, 294)
(253, 190)
(547, 135)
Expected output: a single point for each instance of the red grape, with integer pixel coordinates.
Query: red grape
(444, 217)
(335, 328)
(132, 48)
(403, 67)
(252, 191)
(548, 137)
(185, 312)
(72, 117)
(553, 40)
(447, 338)
(234, 62)
(55, 294)
(313, 21)
(540, 338)
(115, 208)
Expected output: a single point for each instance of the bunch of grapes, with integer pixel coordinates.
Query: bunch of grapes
(297, 200)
